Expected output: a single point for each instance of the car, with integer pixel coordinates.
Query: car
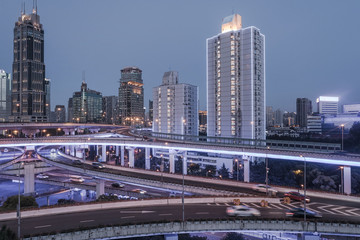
(296, 196)
(53, 150)
(243, 211)
(117, 185)
(172, 194)
(139, 191)
(42, 176)
(6, 150)
(299, 212)
(77, 179)
(263, 187)
(97, 165)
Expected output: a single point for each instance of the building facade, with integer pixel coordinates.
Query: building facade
(5, 95)
(131, 97)
(85, 106)
(327, 105)
(28, 98)
(236, 81)
(351, 108)
(303, 109)
(175, 106)
(60, 113)
(110, 110)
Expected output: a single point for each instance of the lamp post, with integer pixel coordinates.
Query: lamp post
(342, 137)
(237, 169)
(304, 190)
(267, 172)
(342, 179)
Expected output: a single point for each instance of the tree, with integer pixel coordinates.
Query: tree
(233, 236)
(223, 171)
(187, 236)
(194, 169)
(353, 142)
(7, 234)
(25, 201)
(209, 171)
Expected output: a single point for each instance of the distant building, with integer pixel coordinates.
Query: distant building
(327, 105)
(47, 93)
(131, 96)
(351, 108)
(314, 123)
(28, 96)
(236, 81)
(5, 95)
(345, 119)
(85, 106)
(175, 106)
(110, 109)
(289, 119)
(269, 117)
(59, 113)
(278, 118)
(303, 109)
(203, 121)
(151, 112)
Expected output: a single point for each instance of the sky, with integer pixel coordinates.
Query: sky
(312, 47)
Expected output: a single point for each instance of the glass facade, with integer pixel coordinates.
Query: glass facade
(5, 95)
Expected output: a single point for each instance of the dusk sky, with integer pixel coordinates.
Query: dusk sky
(312, 47)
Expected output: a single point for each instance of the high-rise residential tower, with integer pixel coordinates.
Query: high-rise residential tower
(175, 106)
(28, 98)
(131, 97)
(236, 81)
(303, 109)
(110, 109)
(5, 95)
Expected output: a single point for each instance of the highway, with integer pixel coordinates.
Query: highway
(167, 213)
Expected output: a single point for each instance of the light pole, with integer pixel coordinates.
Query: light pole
(267, 173)
(237, 169)
(342, 137)
(304, 191)
(342, 179)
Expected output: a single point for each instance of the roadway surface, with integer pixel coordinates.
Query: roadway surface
(45, 224)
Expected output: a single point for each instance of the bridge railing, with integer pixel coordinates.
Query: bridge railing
(256, 143)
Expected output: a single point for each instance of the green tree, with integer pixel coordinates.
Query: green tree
(194, 169)
(7, 234)
(223, 171)
(25, 201)
(353, 141)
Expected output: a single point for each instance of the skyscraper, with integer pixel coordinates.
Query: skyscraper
(5, 95)
(327, 105)
(236, 81)
(109, 109)
(59, 113)
(85, 106)
(175, 106)
(47, 94)
(28, 98)
(131, 96)
(303, 109)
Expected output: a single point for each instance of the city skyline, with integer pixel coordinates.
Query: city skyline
(159, 40)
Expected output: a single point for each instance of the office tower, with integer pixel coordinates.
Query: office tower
(70, 114)
(278, 118)
(303, 109)
(109, 109)
(59, 113)
(151, 110)
(28, 98)
(289, 119)
(47, 94)
(314, 123)
(175, 106)
(5, 95)
(269, 117)
(131, 97)
(85, 106)
(351, 108)
(236, 81)
(327, 105)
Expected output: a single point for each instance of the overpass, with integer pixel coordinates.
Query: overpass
(246, 152)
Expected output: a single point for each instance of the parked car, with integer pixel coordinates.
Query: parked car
(117, 185)
(263, 187)
(77, 179)
(139, 191)
(42, 176)
(97, 165)
(241, 210)
(296, 196)
(299, 212)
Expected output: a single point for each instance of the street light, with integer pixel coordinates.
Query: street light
(342, 179)
(237, 169)
(304, 190)
(267, 172)
(342, 137)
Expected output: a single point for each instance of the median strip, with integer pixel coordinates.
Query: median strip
(128, 217)
(86, 221)
(44, 226)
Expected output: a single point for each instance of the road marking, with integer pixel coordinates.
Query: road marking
(85, 221)
(165, 214)
(275, 212)
(128, 217)
(322, 208)
(254, 205)
(338, 208)
(245, 204)
(276, 206)
(202, 213)
(217, 204)
(208, 204)
(44, 226)
(352, 211)
(137, 211)
(226, 204)
(286, 206)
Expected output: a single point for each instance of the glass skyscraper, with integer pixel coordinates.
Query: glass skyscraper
(236, 81)
(28, 98)
(5, 95)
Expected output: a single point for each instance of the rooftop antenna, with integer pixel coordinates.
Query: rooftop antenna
(83, 76)
(36, 7)
(24, 8)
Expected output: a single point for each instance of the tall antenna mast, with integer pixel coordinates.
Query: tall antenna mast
(83, 76)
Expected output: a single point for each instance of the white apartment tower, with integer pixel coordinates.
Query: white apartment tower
(236, 81)
(175, 106)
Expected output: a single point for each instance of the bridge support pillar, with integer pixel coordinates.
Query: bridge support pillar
(131, 156)
(122, 160)
(67, 149)
(184, 163)
(103, 153)
(117, 150)
(347, 180)
(100, 188)
(29, 178)
(147, 158)
(172, 161)
(246, 160)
